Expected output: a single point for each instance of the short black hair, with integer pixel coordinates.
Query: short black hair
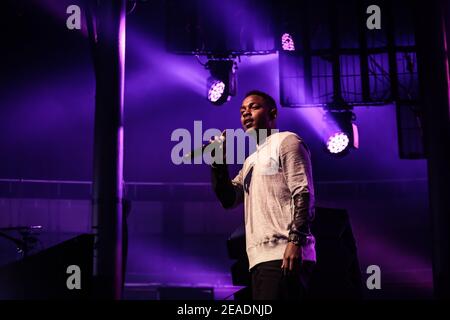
(267, 97)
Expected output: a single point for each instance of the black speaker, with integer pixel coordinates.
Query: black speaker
(336, 274)
(244, 294)
(44, 275)
(240, 274)
(236, 244)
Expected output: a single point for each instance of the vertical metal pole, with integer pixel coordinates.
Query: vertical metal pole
(390, 37)
(335, 46)
(109, 60)
(434, 81)
(363, 53)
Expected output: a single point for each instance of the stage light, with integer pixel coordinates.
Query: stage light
(221, 85)
(287, 42)
(216, 89)
(340, 133)
(337, 142)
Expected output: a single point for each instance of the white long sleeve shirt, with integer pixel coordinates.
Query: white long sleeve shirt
(279, 169)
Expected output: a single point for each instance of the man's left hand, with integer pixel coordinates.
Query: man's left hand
(291, 257)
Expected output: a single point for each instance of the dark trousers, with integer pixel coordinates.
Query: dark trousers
(270, 283)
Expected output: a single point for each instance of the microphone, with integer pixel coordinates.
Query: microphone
(199, 151)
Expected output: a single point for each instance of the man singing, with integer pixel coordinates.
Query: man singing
(276, 186)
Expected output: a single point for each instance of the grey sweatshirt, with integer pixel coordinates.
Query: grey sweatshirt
(278, 172)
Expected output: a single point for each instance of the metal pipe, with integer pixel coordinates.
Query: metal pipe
(433, 72)
(107, 34)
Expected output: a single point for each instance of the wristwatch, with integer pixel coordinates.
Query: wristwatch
(296, 239)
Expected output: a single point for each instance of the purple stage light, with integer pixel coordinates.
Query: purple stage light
(338, 142)
(340, 133)
(221, 85)
(216, 90)
(287, 43)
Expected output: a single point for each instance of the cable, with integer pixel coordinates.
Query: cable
(133, 7)
(199, 61)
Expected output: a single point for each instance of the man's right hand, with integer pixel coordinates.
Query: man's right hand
(222, 147)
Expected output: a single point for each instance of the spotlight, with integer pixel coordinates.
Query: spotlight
(287, 42)
(337, 142)
(216, 90)
(341, 134)
(221, 84)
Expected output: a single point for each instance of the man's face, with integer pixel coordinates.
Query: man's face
(255, 113)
